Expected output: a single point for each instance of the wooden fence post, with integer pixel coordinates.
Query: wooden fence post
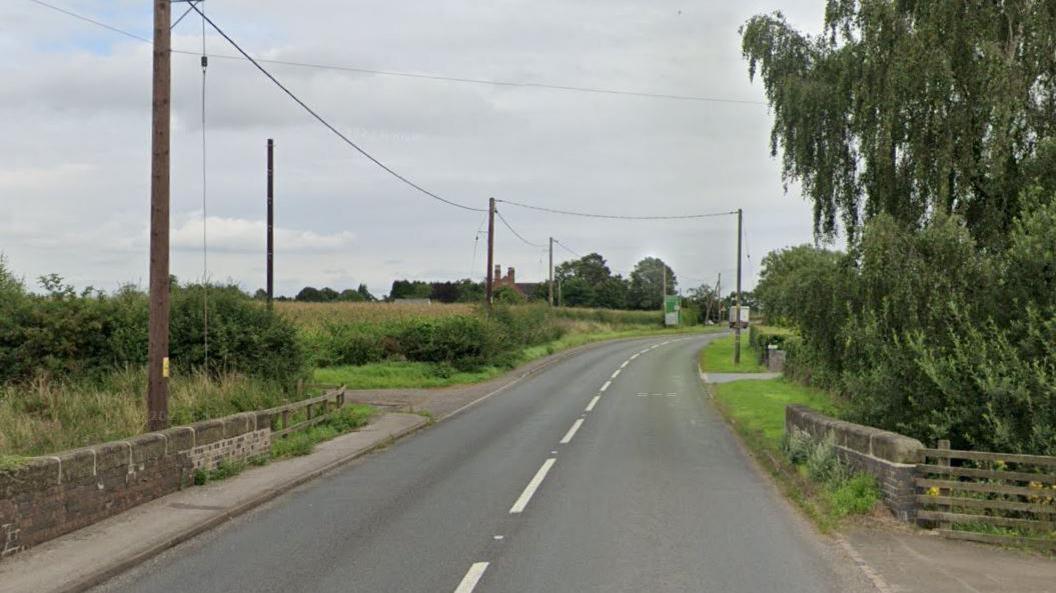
(944, 445)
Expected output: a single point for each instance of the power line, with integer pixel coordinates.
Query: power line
(515, 233)
(329, 126)
(94, 22)
(617, 216)
(424, 76)
(566, 248)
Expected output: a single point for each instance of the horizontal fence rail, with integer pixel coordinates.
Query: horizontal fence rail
(305, 413)
(988, 497)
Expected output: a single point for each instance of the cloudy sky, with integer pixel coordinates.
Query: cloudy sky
(75, 153)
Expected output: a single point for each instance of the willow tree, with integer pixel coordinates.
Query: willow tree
(912, 107)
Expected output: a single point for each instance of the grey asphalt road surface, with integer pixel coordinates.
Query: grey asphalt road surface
(531, 492)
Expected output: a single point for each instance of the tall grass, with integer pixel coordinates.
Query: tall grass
(317, 315)
(46, 415)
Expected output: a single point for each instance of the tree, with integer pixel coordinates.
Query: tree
(647, 281)
(706, 300)
(591, 268)
(309, 294)
(365, 295)
(912, 109)
(350, 296)
(410, 289)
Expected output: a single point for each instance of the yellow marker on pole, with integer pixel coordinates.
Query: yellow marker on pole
(165, 367)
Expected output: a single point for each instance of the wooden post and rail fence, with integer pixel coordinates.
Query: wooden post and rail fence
(999, 498)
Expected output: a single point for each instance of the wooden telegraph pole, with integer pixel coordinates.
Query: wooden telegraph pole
(550, 291)
(490, 282)
(737, 306)
(158, 341)
(271, 221)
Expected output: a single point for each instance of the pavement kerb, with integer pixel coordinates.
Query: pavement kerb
(128, 562)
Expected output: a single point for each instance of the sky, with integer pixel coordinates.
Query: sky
(75, 112)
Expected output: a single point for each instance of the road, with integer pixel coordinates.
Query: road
(540, 488)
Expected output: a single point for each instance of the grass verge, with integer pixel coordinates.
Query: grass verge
(717, 357)
(817, 484)
(339, 422)
(414, 375)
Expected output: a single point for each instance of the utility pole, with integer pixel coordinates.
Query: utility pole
(490, 282)
(663, 286)
(737, 316)
(550, 292)
(158, 340)
(271, 221)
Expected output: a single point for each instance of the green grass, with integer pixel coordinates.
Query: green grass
(756, 409)
(303, 442)
(225, 469)
(395, 375)
(414, 375)
(760, 405)
(717, 357)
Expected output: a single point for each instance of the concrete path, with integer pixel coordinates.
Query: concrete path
(609, 471)
(730, 377)
(910, 560)
(100, 551)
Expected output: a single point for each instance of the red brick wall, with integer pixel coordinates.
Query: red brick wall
(52, 496)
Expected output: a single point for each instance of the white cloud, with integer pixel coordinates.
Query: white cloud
(240, 235)
(75, 107)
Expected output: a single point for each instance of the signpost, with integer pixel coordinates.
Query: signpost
(672, 306)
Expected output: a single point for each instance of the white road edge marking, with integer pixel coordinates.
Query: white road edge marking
(571, 431)
(593, 403)
(616, 374)
(606, 385)
(532, 486)
(469, 582)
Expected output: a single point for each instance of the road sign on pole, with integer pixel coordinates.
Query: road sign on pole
(672, 307)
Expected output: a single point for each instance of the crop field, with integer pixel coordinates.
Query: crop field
(314, 315)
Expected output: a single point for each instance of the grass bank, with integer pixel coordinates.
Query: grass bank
(807, 473)
(412, 375)
(717, 357)
(50, 414)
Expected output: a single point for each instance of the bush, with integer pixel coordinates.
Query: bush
(461, 341)
(90, 334)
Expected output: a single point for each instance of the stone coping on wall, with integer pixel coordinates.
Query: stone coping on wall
(882, 444)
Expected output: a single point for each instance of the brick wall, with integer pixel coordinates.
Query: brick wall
(890, 457)
(52, 496)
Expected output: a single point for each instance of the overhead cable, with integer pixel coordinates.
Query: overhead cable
(420, 75)
(616, 216)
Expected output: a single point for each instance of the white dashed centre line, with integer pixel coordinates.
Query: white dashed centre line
(616, 374)
(571, 431)
(625, 363)
(593, 403)
(469, 582)
(606, 385)
(635, 355)
(532, 486)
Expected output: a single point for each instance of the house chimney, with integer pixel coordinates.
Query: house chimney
(509, 275)
(498, 272)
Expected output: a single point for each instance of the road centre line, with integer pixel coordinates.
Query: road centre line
(606, 385)
(530, 489)
(616, 374)
(571, 432)
(625, 363)
(469, 582)
(593, 403)
(635, 355)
